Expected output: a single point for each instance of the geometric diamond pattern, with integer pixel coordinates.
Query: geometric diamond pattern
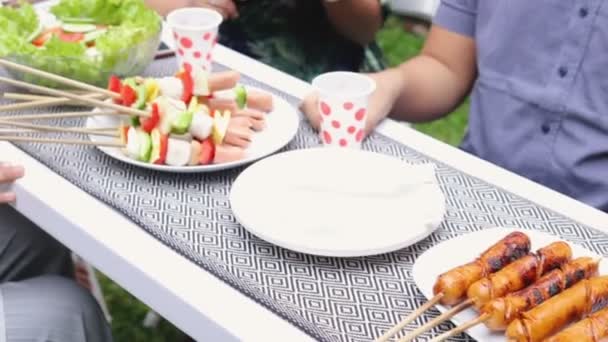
(332, 299)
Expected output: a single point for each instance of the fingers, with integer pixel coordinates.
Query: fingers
(226, 8)
(9, 173)
(310, 108)
(7, 197)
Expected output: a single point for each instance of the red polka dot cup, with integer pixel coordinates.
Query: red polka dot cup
(343, 101)
(195, 33)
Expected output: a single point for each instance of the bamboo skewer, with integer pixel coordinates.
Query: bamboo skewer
(61, 141)
(44, 103)
(461, 328)
(57, 78)
(38, 97)
(411, 317)
(58, 129)
(83, 99)
(56, 115)
(437, 320)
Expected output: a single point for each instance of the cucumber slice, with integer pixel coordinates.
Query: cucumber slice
(91, 36)
(145, 146)
(182, 122)
(78, 20)
(240, 96)
(78, 28)
(35, 34)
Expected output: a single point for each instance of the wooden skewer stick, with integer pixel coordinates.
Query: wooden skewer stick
(57, 78)
(78, 98)
(61, 141)
(44, 103)
(37, 97)
(437, 320)
(411, 317)
(56, 115)
(461, 328)
(58, 129)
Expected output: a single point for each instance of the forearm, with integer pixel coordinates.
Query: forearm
(357, 20)
(163, 7)
(430, 90)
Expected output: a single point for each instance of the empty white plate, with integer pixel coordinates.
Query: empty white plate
(338, 202)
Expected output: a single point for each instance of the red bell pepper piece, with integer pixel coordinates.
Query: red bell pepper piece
(148, 124)
(207, 152)
(129, 96)
(188, 85)
(115, 85)
(164, 144)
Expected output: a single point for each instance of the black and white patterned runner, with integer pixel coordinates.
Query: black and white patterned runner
(332, 299)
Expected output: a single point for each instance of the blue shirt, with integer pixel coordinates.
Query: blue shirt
(539, 106)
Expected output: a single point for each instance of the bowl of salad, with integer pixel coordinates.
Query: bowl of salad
(85, 40)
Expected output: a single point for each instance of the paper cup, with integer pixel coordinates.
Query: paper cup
(343, 101)
(195, 33)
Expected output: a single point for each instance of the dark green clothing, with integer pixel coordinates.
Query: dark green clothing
(296, 37)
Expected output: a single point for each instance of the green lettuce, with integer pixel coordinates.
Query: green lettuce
(125, 49)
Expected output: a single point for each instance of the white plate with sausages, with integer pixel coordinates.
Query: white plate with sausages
(282, 124)
(466, 248)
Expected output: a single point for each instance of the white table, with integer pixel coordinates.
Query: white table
(182, 292)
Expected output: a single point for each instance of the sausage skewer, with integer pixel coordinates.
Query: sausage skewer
(451, 286)
(513, 277)
(592, 329)
(498, 313)
(575, 303)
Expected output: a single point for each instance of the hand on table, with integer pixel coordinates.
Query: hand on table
(8, 174)
(380, 103)
(226, 8)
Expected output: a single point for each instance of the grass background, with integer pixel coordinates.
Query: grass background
(128, 313)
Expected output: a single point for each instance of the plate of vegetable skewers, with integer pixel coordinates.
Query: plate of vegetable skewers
(192, 121)
(527, 286)
(199, 122)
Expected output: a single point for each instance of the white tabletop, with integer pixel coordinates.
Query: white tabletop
(182, 292)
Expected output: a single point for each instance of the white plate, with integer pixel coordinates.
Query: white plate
(338, 202)
(281, 126)
(466, 248)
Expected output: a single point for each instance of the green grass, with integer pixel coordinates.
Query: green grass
(128, 313)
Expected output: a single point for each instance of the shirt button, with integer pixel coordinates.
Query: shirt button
(563, 71)
(545, 128)
(583, 12)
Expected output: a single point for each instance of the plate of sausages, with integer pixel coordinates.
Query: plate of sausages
(513, 285)
(195, 122)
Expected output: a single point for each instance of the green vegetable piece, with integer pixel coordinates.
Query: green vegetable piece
(181, 124)
(141, 97)
(79, 28)
(145, 146)
(241, 96)
(135, 121)
(91, 36)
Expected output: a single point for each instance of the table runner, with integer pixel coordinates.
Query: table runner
(331, 299)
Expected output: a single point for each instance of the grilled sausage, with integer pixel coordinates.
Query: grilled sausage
(519, 274)
(454, 283)
(502, 311)
(259, 100)
(592, 329)
(584, 298)
(223, 80)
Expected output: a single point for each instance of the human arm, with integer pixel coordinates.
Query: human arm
(357, 20)
(8, 175)
(226, 8)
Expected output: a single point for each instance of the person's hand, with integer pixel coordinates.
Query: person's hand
(388, 86)
(226, 8)
(8, 175)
